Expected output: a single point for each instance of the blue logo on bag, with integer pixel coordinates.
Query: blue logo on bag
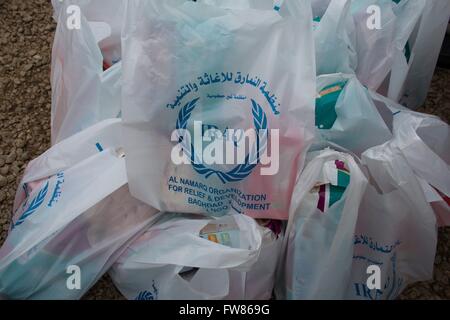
(393, 283)
(148, 295)
(34, 205)
(56, 195)
(239, 172)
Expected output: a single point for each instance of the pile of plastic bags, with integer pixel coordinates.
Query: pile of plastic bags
(339, 176)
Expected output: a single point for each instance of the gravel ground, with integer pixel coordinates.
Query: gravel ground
(26, 36)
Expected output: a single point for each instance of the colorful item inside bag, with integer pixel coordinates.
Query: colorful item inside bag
(346, 114)
(316, 22)
(187, 257)
(223, 134)
(319, 232)
(388, 226)
(332, 192)
(226, 234)
(326, 105)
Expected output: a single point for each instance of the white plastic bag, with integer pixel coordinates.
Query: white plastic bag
(333, 35)
(374, 46)
(396, 229)
(349, 39)
(408, 16)
(187, 257)
(335, 39)
(318, 245)
(346, 114)
(258, 283)
(228, 76)
(285, 8)
(82, 93)
(70, 212)
(426, 47)
(424, 141)
(71, 151)
(319, 7)
(105, 17)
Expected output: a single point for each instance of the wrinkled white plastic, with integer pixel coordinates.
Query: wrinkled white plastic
(82, 93)
(335, 38)
(103, 15)
(73, 206)
(318, 246)
(358, 125)
(150, 268)
(374, 47)
(70, 211)
(396, 228)
(427, 46)
(408, 16)
(187, 40)
(424, 141)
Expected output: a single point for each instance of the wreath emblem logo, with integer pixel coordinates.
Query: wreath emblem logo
(34, 205)
(151, 294)
(239, 172)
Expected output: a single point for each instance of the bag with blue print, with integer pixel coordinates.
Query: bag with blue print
(72, 211)
(370, 250)
(191, 258)
(396, 233)
(217, 119)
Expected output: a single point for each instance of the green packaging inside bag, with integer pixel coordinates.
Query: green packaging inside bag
(325, 105)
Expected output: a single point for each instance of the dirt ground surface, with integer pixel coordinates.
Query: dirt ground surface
(26, 36)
